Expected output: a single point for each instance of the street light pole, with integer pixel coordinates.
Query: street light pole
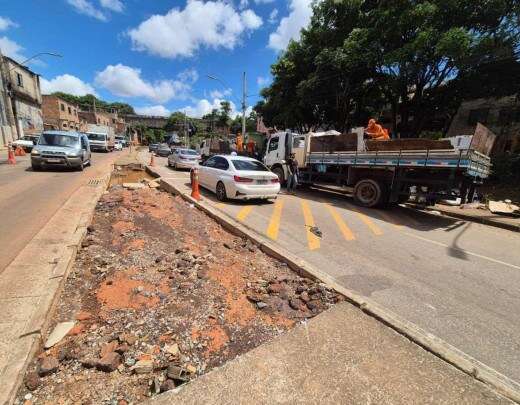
(57, 55)
(244, 106)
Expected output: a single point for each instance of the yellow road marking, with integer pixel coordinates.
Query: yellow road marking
(345, 230)
(312, 240)
(274, 223)
(244, 212)
(368, 222)
(220, 205)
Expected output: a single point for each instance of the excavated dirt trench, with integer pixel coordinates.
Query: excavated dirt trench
(160, 294)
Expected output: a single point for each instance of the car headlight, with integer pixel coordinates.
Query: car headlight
(72, 154)
(35, 152)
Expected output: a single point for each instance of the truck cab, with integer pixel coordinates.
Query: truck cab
(279, 146)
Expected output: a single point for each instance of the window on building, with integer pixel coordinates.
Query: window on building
(70, 110)
(75, 112)
(62, 107)
(19, 80)
(479, 115)
(98, 121)
(65, 125)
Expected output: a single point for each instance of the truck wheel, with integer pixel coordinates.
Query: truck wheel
(221, 192)
(279, 172)
(370, 193)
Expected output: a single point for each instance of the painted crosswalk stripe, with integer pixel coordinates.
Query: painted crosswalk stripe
(274, 223)
(345, 230)
(312, 240)
(244, 212)
(368, 222)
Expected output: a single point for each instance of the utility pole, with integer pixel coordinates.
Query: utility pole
(244, 90)
(185, 131)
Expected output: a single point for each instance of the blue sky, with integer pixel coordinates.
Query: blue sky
(154, 55)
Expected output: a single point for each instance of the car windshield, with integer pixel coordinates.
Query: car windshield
(96, 137)
(188, 152)
(251, 165)
(58, 140)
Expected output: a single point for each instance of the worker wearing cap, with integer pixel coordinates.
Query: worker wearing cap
(376, 131)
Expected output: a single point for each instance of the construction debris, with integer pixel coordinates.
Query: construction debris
(162, 294)
(505, 207)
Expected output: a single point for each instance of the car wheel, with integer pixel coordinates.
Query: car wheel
(35, 167)
(221, 192)
(81, 166)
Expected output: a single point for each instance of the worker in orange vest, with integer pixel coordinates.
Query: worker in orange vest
(376, 131)
(240, 142)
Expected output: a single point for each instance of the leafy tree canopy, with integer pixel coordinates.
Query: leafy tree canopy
(87, 102)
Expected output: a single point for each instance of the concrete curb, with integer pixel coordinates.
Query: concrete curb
(428, 341)
(470, 218)
(37, 326)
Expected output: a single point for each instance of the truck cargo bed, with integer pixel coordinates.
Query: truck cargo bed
(474, 163)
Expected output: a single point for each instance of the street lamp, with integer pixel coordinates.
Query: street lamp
(243, 98)
(57, 55)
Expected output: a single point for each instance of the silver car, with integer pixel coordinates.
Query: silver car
(183, 158)
(61, 149)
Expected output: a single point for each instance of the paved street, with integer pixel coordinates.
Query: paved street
(455, 279)
(29, 199)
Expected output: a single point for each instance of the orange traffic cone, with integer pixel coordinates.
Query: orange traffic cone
(152, 160)
(195, 184)
(10, 156)
(19, 151)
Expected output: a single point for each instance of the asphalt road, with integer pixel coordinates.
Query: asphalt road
(455, 279)
(29, 199)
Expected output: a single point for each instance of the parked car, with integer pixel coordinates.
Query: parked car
(153, 147)
(183, 158)
(238, 177)
(61, 148)
(163, 150)
(26, 142)
(118, 145)
(123, 140)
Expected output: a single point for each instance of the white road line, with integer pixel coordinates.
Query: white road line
(514, 266)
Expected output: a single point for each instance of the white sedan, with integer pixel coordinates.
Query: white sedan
(238, 177)
(183, 158)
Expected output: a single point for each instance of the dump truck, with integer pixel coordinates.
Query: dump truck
(378, 173)
(101, 137)
(213, 146)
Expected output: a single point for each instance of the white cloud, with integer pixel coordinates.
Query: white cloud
(67, 84)
(87, 8)
(6, 23)
(189, 75)
(113, 5)
(262, 81)
(211, 24)
(125, 81)
(290, 26)
(264, 1)
(243, 4)
(273, 16)
(220, 93)
(204, 106)
(155, 110)
(11, 49)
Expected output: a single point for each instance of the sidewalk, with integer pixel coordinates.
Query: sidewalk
(476, 215)
(340, 357)
(33, 280)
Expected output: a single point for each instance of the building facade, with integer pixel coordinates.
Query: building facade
(61, 115)
(23, 87)
(502, 116)
(96, 117)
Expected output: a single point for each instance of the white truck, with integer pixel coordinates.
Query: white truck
(379, 177)
(101, 137)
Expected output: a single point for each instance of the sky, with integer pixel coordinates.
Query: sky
(153, 54)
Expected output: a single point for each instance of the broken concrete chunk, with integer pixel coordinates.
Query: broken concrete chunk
(172, 349)
(154, 184)
(48, 365)
(143, 367)
(58, 333)
(133, 186)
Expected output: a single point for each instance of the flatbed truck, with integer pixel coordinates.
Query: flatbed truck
(379, 178)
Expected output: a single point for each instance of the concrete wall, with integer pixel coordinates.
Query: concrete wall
(502, 116)
(29, 117)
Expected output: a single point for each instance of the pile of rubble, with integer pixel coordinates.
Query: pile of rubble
(160, 294)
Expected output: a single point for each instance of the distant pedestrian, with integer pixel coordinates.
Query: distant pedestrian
(292, 169)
